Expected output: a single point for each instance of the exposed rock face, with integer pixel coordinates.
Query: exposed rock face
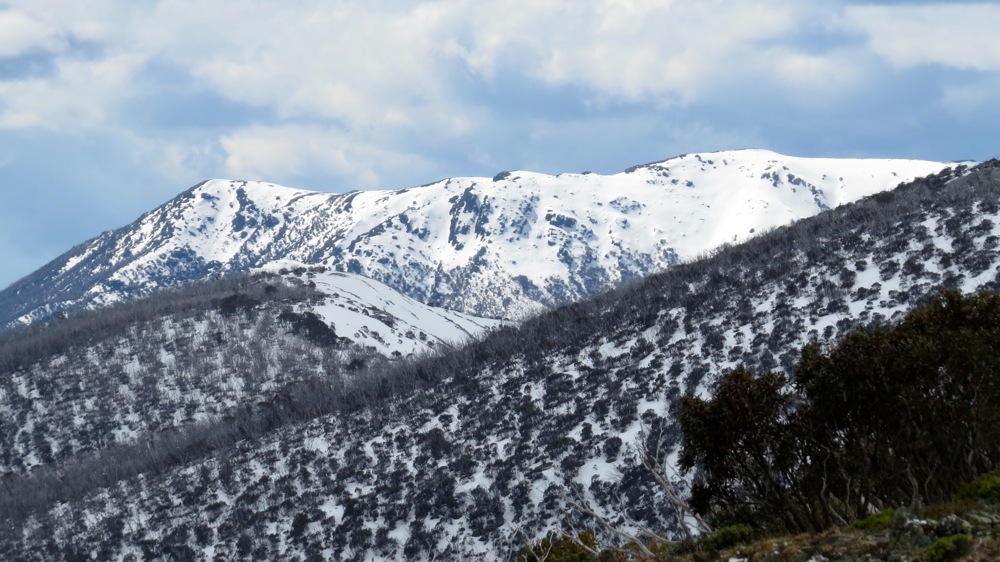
(499, 247)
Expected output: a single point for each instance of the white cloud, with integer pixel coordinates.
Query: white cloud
(375, 79)
(79, 94)
(822, 76)
(667, 53)
(108, 22)
(21, 34)
(363, 66)
(273, 153)
(959, 35)
(393, 66)
(679, 49)
(975, 100)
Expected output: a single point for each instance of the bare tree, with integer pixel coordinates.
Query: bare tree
(655, 462)
(617, 528)
(628, 530)
(533, 551)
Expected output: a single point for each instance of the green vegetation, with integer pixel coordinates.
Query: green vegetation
(880, 520)
(949, 548)
(889, 414)
(563, 549)
(728, 537)
(911, 535)
(985, 487)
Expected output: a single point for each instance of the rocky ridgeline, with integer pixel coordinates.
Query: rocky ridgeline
(502, 247)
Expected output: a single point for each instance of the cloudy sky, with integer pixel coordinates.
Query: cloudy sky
(109, 108)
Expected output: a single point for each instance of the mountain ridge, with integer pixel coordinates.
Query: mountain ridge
(471, 453)
(498, 247)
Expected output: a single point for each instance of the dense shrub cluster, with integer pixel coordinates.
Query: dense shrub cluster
(728, 537)
(888, 415)
(949, 548)
(985, 487)
(879, 520)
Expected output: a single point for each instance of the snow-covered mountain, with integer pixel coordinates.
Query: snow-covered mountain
(498, 247)
(196, 353)
(469, 454)
(374, 316)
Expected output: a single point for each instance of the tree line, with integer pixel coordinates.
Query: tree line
(888, 416)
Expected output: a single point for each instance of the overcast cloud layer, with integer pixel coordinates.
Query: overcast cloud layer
(110, 107)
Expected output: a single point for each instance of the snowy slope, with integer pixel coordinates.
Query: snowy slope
(375, 316)
(487, 455)
(195, 354)
(497, 247)
(488, 451)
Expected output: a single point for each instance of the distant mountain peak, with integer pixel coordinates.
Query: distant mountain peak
(500, 247)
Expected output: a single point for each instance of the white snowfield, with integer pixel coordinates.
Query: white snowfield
(375, 316)
(499, 247)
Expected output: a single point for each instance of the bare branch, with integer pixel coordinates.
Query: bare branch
(580, 503)
(655, 463)
(533, 551)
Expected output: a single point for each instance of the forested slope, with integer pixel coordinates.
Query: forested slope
(473, 452)
(192, 355)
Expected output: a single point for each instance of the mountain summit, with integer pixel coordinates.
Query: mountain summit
(502, 246)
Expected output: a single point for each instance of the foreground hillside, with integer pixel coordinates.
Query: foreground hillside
(475, 452)
(195, 354)
(499, 247)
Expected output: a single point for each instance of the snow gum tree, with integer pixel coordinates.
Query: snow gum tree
(887, 415)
